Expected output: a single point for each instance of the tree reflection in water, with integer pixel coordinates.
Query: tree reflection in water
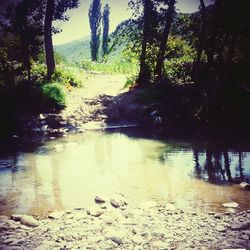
(217, 167)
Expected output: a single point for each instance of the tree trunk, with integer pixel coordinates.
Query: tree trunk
(49, 53)
(142, 78)
(164, 40)
(197, 62)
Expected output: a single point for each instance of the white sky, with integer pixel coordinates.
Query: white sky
(78, 24)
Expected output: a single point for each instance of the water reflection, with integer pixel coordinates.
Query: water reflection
(142, 167)
(217, 166)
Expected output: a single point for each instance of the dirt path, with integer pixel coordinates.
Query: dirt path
(94, 105)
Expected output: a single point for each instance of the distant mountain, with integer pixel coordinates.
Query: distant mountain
(76, 50)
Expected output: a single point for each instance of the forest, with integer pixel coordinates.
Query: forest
(194, 66)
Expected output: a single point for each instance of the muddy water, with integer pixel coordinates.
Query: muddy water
(41, 179)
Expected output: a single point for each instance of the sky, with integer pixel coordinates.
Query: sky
(78, 24)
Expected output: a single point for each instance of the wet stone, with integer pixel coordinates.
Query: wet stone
(230, 205)
(29, 221)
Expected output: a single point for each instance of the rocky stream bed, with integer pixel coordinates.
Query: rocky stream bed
(115, 224)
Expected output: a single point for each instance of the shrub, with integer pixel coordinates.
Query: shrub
(38, 72)
(65, 77)
(54, 95)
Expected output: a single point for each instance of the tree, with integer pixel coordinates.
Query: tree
(201, 37)
(55, 10)
(49, 52)
(94, 22)
(105, 23)
(22, 29)
(164, 39)
(144, 71)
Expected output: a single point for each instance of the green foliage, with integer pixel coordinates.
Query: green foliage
(179, 60)
(131, 81)
(62, 75)
(54, 95)
(115, 67)
(39, 73)
(179, 70)
(65, 77)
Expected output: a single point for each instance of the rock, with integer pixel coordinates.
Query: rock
(137, 239)
(220, 228)
(245, 186)
(240, 226)
(29, 221)
(158, 121)
(217, 216)
(16, 217)
(100, 199)
(56, 215)
(118, 200)
(231, 205)
(41, 117)
(58, 147)
(44, 128)
(154, 114)
(95, 211)
(115, 236)
(158, 233)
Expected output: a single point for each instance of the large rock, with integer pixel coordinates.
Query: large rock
(231, 205)
(245, 186)
(29, 221)
(16, 217)
(118, 200)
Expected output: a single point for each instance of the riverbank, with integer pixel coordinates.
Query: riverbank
(114, 224)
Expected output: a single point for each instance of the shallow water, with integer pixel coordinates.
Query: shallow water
(36, 179)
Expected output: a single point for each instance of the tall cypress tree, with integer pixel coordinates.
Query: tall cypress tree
(105, 34)
(94, 22)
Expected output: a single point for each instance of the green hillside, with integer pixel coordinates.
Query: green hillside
(76, 50)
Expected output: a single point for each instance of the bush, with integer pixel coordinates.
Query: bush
(179, 70)
(54, 95)
(61, 75)
(39, 72)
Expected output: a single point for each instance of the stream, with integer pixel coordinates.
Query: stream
(41, 175)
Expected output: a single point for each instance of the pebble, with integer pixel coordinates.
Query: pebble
(146, 226)
(115, 236)
(118, 200)
(100, 199)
